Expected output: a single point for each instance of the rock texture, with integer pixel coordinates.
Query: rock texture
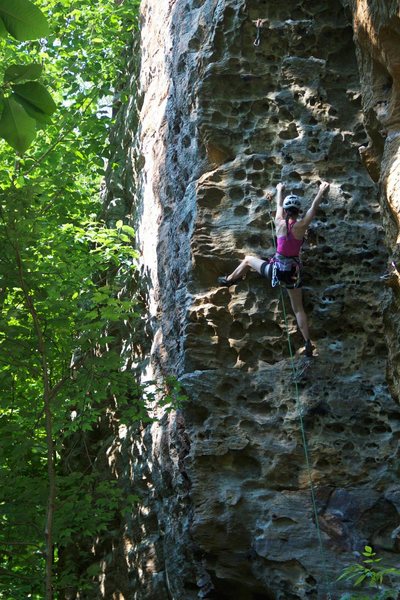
(226, 509)
(377, 37)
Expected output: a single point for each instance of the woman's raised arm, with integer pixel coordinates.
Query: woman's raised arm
(280, 189)
(310, 214)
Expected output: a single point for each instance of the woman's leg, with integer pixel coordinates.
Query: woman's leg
(296, 300)
(249, 262)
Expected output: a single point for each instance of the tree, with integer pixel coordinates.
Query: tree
(60, 271)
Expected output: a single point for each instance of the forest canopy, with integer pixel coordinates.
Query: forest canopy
(63, 73)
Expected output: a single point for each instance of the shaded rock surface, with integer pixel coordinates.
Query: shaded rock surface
(377, 37)
(226, 508)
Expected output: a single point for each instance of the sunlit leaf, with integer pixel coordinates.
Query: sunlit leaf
(129, 230)
(23, 20)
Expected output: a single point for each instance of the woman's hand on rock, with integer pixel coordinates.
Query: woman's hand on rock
(324, 187)
(280, 187)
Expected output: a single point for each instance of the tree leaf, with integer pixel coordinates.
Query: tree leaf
(360, 579)
(3, 30)
(16, 126)
(17, 73)
(37, 95)
(371, 560)
(129, 230)
(23, 20)
(38, 115)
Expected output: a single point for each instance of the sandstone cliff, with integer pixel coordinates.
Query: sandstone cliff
(226, 507)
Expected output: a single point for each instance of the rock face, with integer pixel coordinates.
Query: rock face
(377, 37)
(267, 481)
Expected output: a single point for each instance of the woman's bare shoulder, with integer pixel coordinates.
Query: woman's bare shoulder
(302, 223)
(299, 228)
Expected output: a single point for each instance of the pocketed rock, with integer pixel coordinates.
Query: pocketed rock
(377, 37)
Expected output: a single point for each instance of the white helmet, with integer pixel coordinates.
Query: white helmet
(292, 201)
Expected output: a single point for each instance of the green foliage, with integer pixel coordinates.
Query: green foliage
(61, 267)
(87, 506)
(372, 574)
(59, 257)
(24, 106)
(16, 126)
(36, 100)
(23, 20)
(172, 396)
(19, 73)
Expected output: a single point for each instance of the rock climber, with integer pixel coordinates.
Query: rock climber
(285, 266)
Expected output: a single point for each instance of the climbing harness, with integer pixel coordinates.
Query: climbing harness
(295, 379)
(287, 264)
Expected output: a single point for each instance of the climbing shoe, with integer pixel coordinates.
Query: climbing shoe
(227, 282)
(308, 349)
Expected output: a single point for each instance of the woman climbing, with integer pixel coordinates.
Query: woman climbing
(285, 267)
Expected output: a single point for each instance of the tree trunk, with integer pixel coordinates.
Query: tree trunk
(47, 397)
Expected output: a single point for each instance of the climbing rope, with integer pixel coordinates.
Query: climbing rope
(299, 404)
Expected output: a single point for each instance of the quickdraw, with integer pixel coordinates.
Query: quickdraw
(260, 23)
(258, 37)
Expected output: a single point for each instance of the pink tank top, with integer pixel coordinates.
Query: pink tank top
(287, 245)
